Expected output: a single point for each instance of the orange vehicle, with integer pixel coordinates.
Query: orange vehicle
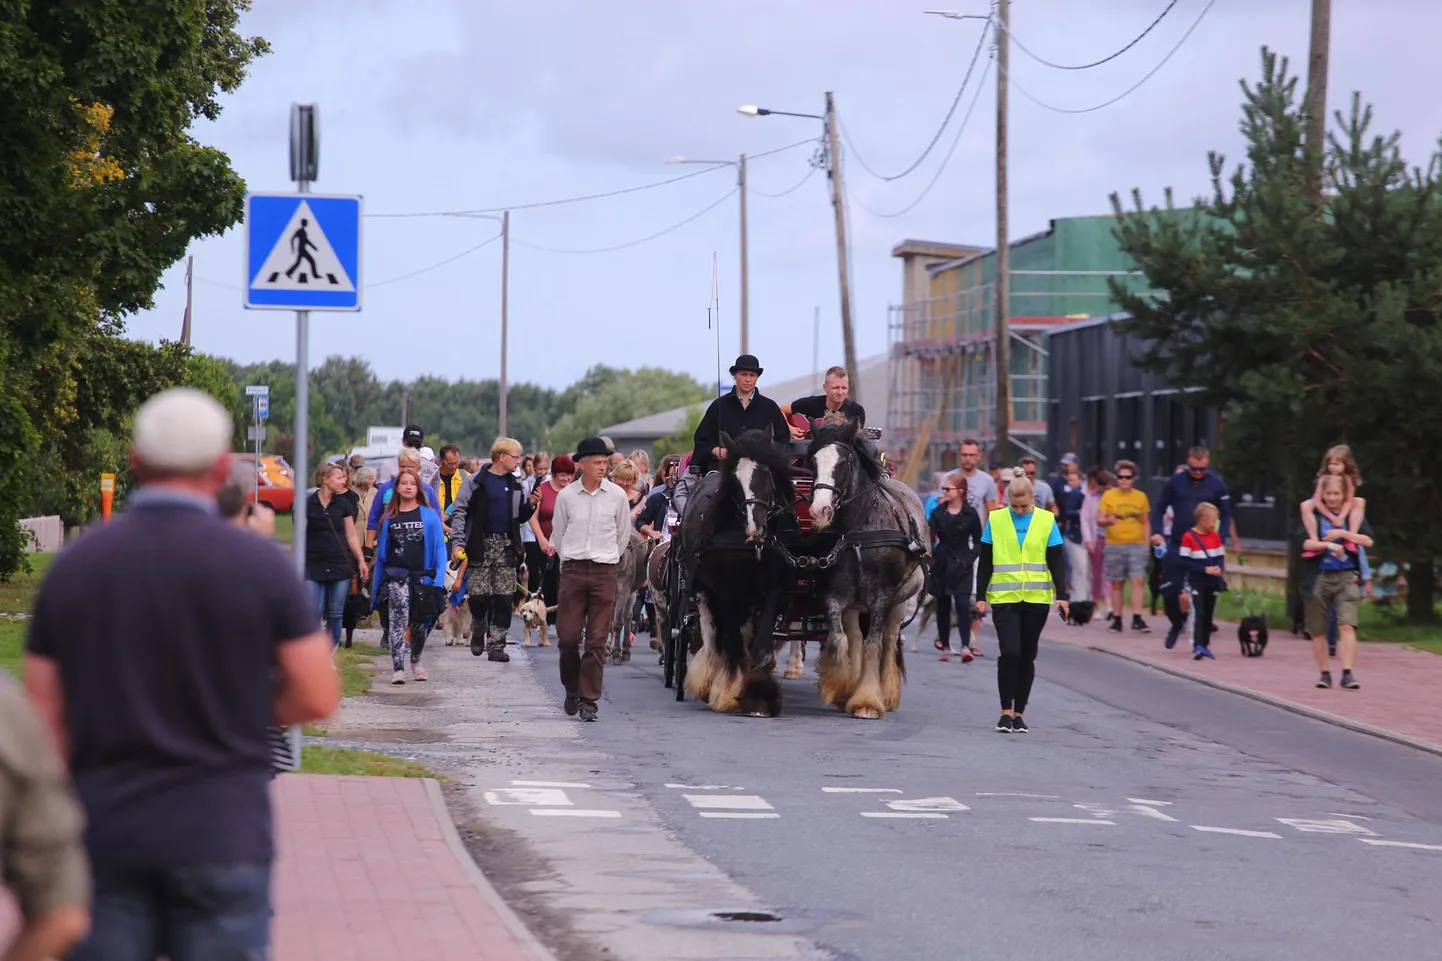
(277, 480)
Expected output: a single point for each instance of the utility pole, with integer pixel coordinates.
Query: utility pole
(405, 409)
(1001, 285)
(189, 283)
(838, 201)
(503, 412)
(745, 260)
(1316, 106)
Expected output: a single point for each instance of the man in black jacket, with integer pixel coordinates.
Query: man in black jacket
(489, 512)
(738, 410)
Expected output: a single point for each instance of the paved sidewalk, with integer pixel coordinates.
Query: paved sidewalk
(1401, 688)
(371, 868)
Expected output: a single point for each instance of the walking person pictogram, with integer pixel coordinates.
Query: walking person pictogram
(300, 243)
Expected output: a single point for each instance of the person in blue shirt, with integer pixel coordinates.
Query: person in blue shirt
(1184, 490)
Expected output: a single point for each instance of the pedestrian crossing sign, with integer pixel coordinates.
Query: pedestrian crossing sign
(303, 252)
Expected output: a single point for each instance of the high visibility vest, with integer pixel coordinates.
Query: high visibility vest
(1018, 571)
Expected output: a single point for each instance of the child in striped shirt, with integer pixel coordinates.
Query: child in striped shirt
(1203, 558)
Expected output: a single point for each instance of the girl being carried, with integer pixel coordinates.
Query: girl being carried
(1338, 462)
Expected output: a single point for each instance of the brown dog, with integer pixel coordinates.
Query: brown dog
(533, 611)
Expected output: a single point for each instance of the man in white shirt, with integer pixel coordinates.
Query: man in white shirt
(590, 529)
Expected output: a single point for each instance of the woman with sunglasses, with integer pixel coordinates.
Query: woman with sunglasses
(957, 528)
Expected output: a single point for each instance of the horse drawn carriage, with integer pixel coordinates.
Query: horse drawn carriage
(773, 576)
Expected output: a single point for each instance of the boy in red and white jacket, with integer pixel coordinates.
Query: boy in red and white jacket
(1204, 559)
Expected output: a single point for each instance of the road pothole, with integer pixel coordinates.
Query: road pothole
(753, 917)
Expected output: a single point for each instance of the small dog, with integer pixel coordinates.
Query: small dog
(456, 623)
(533, 613)
(1081, 613)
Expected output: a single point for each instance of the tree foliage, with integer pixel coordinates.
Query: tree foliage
(1311, 319)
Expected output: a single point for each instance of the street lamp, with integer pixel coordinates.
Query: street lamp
(502, 411)
(828, 121)
(740, 166)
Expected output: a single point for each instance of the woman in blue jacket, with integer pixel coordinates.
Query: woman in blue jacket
(410, 552)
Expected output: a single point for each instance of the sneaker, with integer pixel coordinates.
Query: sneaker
(588, 712)
(1003, 726)
(944, 656)
(571, 705)
(1331, 650)
(1197, 654)
(399, 677)
(418, 672)
(966, 655)
(1018, 726)
(1325, 680)
(1207, 653)
(1116, 624)
(976, 651)
(1140, 625)
(478, 646)
(1172, 636)
(498, 654)
(1349, 682)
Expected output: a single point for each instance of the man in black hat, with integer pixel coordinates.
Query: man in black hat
(415, 438)
(738, 410)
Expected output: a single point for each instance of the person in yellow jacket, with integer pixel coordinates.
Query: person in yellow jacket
(1021, 573)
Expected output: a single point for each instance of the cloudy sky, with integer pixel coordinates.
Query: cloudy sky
(441, 105)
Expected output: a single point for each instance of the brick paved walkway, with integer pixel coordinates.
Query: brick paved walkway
(1401, 687)
(366, 872)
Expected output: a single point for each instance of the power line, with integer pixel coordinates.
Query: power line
(945, 160)
(587, 197)
(789, 190)
(1096, 63)
(945, 121)
(631, 243)
(1125, 93)
(440, 263)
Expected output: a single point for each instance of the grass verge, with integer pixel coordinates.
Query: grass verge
(329, 760)
(356, 668)
(12, 647)
(18, 593)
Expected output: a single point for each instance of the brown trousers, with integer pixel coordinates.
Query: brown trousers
(585, 607)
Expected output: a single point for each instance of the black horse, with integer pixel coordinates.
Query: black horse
(736, 577)
(879, 567)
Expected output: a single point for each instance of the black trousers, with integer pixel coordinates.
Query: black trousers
(535, 566)
(946, 604)
(1204, 606)
(1018, 632)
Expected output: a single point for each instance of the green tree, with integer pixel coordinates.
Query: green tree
(681, 440)
(607, 396)
(1308, 326)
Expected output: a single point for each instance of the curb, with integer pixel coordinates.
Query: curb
(1312, 712)
(514, 924)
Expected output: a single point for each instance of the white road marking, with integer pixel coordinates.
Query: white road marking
(905, 814)
(548, 784)
(734, 802)
(1096, 810)
(1236, 831)
(521, 795)
(1354, 817)
(1142, 800)
(1151, 812)
(1401, 844)
(740, 815)
(705, 787)
(928, 804)
(862, 790)
(1072, 821)
(1325, 827)
(1044, 797)
(573, 813)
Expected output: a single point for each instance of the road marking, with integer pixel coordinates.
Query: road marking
(862, 790)
(740, 815)
(736, 802)
(1325, 827)
(1142, 800)
(548, 784)
(573, 813)
(905, 814)
(1072, 821)
(928, 804)
(523, 795)
(1096, 810)
(1401, 844)
(1237, 831)
(1150, 812)
(1355, 817)
(1044, 797)
(705, 787)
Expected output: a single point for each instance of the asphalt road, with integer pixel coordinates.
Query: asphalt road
(1144, 817)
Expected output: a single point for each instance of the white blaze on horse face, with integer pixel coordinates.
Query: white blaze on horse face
(755, 513)
(823, 498)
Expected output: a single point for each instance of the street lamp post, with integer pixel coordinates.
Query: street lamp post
(740, 165)
(838, 203)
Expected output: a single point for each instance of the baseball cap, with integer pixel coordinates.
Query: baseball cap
(413, 436)
(1070, 458)
(182, 431)
(427, 454)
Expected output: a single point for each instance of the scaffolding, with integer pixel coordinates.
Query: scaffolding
(943, 376)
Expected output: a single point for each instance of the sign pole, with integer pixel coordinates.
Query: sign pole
(255, 412)
(302, 424)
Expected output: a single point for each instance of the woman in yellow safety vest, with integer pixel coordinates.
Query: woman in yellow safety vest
(1021, 572)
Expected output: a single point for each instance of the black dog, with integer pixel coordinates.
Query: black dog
(1081, 613)
(1252, 634)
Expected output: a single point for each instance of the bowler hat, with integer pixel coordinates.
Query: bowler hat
(592, 447)
(747, 362)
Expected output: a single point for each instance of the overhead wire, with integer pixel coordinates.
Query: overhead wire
(440, 263)
(811, 172)
(631, 243)
(945, 161)
(1125, 93)
(936, 138)
(1095, 63)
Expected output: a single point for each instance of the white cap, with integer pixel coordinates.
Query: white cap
(427, 454)
(182, 430)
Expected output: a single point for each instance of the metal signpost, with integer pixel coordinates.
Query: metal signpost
(259, 395)
(303, 253)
